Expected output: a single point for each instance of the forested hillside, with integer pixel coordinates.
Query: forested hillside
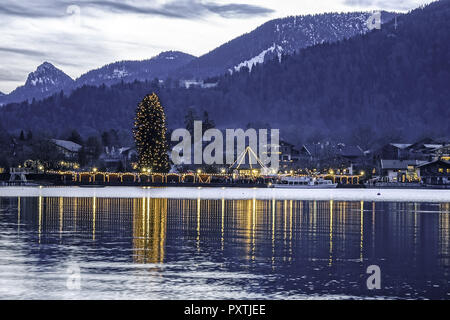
(392, 82)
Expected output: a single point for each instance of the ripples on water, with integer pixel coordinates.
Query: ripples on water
(221, 249)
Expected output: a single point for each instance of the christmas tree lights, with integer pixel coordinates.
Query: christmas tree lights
(150, 135)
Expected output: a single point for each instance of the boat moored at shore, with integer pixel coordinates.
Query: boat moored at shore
(303, 183)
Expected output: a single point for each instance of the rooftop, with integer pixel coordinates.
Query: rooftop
(399, 164)
(68, 145)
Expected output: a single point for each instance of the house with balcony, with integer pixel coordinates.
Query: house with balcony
(400, 170)
(435, 172)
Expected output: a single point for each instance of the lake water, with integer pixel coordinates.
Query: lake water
(159, 248)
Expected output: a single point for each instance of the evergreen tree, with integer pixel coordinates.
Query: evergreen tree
(82, 157)
(75, 137)
(207, 122)
(93, 147)
(150, 135)
(189, 119)
(106, 139)
(22, 137)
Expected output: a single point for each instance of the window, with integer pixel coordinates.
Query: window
(441, 170)
(448, 170)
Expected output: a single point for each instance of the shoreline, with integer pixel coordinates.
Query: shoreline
(233, 193)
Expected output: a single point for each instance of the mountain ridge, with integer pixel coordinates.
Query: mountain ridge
(41, 83)
(389, 84)
(274, 38)
(282, 36)
(130, 70)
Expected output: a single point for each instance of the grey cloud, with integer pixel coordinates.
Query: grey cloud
(180, 9)
(29, 10)
(383, 4)
(238, 10)
(26, 52)
(186, 9)
(8, 75)
(128, 8)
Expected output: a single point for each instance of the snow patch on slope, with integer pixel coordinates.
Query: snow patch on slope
(259, 58)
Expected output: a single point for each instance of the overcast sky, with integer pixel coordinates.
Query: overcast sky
(77, 36)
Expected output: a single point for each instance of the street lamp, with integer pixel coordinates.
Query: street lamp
(94, 170)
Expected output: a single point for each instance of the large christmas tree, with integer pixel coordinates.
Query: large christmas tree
(150, 135)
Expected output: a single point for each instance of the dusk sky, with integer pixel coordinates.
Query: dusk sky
(77, 36)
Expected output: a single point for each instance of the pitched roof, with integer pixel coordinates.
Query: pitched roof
(433, 162)
(351, 151)
(313, 149)
(399, 164)
(401, 145)
(68, 145)
(433, 146)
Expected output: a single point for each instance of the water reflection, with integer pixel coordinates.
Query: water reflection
(149, 230)
(304, 244)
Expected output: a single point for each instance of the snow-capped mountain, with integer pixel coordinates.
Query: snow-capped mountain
(271, 40)
(278, 37)
(45, 81)
(128, 71)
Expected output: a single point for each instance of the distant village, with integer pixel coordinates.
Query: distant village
(419, 163)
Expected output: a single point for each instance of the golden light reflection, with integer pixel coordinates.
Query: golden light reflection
(273, 231)
(40, 218)
(18, 215)
(61, 208)
(149, 230)
(222, 230)
(444, 235)
(373, 225)
(362, 231)
(290, 229)
(416, 226)
(94, 212)
(252, 229)
(198, 222)
(331, 233)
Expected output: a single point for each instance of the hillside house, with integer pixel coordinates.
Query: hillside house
(69, 149)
